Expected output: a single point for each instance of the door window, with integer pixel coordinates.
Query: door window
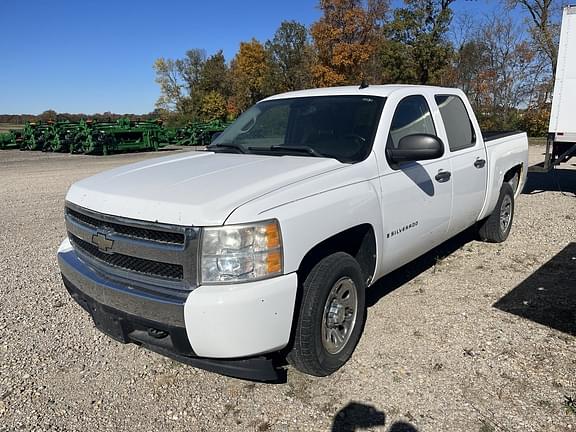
(412, 116)
(456, 121)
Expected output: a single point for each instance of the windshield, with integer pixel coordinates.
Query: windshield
(341, 127)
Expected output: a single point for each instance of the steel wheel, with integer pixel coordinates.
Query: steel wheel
(340, 311)
(505, 213)
(331, 316)
(496, 227)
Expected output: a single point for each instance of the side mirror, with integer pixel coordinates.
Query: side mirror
(415, 148)
(214, 136)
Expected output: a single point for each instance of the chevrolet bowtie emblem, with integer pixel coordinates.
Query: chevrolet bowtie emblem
(103, 242)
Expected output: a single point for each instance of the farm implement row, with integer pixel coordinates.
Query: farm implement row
(102, 138)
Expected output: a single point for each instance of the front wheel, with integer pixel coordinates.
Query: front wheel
(496, 227)
(332, 316)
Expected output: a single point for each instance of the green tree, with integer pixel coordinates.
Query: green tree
(190, 68)
(179, 83)
(290, 55)
(171, 84)
(215, 75)
(418, 32)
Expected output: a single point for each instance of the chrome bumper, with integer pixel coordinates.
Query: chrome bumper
(132, 300)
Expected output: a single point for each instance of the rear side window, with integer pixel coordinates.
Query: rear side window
(456, 121)
(412, 116)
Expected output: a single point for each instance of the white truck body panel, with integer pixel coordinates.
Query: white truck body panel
(224, 319)
(198, 188)
(313, 199)
(513, 153)
(563, 114)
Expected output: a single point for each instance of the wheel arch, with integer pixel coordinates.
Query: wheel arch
(513, 176)
(358, 241)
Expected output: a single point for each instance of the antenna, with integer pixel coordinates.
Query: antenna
(364, 85)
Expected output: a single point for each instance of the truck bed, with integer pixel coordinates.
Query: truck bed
(494, 135)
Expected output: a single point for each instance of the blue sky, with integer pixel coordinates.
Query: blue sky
(97, 56)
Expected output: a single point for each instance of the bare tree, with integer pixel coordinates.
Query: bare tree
(544, 19)
(500, 70)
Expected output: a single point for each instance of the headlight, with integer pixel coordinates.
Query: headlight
(241, 253)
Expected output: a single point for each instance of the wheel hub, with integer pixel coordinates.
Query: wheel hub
(340, 312)
(336, 314)
(505, 213)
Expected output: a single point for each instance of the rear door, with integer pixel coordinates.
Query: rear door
(469, 167)
(416, 196)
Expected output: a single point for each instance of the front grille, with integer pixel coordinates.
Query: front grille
(125, 262)
(127, 230)
(143, 254)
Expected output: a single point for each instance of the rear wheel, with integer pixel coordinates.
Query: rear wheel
(496, 227)
(331, 316)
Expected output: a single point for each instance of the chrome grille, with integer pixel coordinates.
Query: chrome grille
(139, 265)
(130, 231)
(152, 254)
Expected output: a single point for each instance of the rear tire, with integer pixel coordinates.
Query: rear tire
(332, 315)
(496, 227)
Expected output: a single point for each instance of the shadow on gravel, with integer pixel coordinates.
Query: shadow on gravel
(406, 273)
(356, 416)
(548, 296)
(556, 180)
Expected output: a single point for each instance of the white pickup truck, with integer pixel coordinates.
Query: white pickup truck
(260, 248)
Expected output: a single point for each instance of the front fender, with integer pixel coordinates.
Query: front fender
(343, 199)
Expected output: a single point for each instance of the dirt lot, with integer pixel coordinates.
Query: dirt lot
(471, 337)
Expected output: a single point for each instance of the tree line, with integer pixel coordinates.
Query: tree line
(51, 115)
(506, 68)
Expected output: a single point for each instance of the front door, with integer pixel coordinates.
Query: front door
(416, 196)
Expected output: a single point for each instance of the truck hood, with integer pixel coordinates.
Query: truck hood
(197, 188)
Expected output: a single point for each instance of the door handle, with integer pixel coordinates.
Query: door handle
(479, 163)
(443, 176)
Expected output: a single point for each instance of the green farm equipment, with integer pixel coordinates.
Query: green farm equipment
(11, 139)
(35, 136)
(119, 136)
(105, 137)
(199, 134)
(61, 136)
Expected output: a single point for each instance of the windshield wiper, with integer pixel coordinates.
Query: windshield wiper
(289, 149)
(230, 146)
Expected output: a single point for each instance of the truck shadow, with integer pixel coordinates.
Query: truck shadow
(357, 415)
(406, 273)
(556, 180)
(548, 296)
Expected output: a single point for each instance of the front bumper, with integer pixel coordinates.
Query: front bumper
(230, 329)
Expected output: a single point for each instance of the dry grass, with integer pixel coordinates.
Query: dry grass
(5, 127)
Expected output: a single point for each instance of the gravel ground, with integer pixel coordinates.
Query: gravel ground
(471, 337)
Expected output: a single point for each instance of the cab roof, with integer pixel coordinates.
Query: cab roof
(372, 90)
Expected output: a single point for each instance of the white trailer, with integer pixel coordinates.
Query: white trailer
(561, 144)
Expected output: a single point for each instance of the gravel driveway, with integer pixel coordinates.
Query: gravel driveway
(471, 337)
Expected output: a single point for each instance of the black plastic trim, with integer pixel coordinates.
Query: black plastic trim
(494, 135)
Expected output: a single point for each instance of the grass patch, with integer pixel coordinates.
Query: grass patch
(570, 404)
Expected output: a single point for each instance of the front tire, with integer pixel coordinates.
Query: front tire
(332, 315)
(496, 227)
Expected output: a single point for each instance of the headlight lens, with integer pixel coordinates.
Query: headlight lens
(241, 253)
